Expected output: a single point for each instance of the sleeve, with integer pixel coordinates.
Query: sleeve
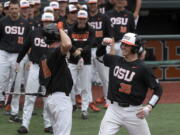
(90, 41)
(108, 28)
(132, 23)
(73, 48)
(1, 30)
(109, 60)
(153, 83)
(26, 47)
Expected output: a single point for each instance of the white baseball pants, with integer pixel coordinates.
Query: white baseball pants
(104, 75)
(59, 108)
(82, 81)
(95, 74)
(17, 87)
(7, 71)
(116, 117)
(32, 86)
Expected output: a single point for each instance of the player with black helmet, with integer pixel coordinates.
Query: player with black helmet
(129, 80)
(60, 83)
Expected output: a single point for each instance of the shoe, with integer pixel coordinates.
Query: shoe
(94, 107)
(8, 108)
(22, 130)
(100, 100)
(48, 130)
(105, 106)
(74, 108)
(78, 99)
(15, 118)
(84, 115)
(1, 104)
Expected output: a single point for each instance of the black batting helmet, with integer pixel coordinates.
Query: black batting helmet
(51, 33)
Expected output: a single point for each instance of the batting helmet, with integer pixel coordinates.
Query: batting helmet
(133, 40)
(51, 33)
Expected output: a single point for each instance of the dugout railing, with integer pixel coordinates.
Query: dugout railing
(166, 49)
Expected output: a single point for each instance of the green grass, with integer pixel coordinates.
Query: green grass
(164, 120)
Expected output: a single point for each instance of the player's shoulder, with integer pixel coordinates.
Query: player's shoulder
(24, 20)
(146, 68)
(109, 12)
(4, 19)
(114, 57)
(128, 12)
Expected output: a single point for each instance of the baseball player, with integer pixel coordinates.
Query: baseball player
(129, 80)
(6, 8)
(102, 26)
(36, 42)
(13, 30)
(134, 6)
(55, 6)
(1, 10)
(122, 21)
(71, 18)
(63, 5)
(22, 72)
(59, 103)
(82, 36)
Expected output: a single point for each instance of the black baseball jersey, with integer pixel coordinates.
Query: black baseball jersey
(13, 34)
(61, 79)
(35, 41)
(81, 38)
(102, 27)
(129, 81)
(122, 22)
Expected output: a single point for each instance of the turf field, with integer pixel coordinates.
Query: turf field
(164, 120)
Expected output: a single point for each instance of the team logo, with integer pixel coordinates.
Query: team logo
(15, 30)
(123, 74)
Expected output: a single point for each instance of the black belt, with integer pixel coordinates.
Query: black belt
(122, 104)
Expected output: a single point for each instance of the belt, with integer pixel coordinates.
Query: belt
(121, 104)
(56, 92)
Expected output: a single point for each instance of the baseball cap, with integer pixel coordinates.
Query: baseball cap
(46, 17)
(6, 4)
(84, 7)
(48, 9)
(24, 4)
(73, 1)
(72, 8)
(82, 14)
(92, 1)
(37, 2)
(54, 5)
(31, 2)
(62, 0)
(129, 39)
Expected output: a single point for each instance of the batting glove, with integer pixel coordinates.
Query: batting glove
(107, 41)
(144, 112)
